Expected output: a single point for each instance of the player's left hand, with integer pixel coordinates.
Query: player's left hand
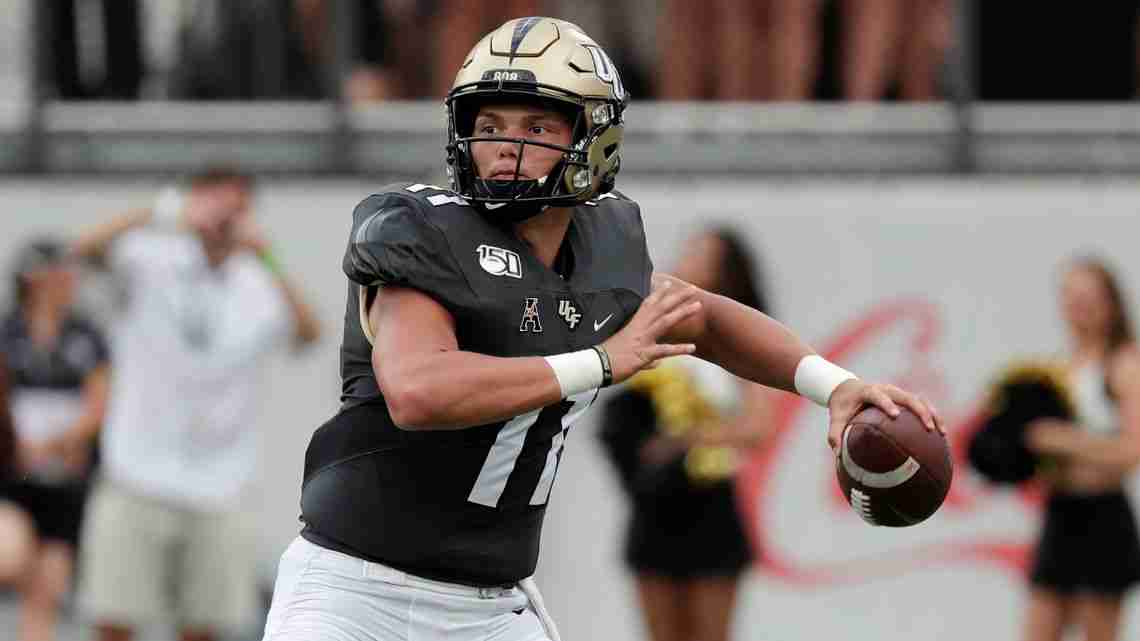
(853, 395)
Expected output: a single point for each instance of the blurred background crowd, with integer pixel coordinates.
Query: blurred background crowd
(734, 50)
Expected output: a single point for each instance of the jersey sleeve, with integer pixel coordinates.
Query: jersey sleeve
(393, 243)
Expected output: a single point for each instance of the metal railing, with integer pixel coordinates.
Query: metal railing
(406, 138)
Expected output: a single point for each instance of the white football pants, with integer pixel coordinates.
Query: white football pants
(324, 595)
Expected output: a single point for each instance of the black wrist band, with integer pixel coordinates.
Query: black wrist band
(607, 371)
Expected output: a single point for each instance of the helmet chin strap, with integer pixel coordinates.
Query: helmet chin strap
(513, 211)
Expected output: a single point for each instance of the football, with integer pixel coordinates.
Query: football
(893, 472)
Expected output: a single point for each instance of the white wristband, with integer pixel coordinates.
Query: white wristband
(577, 372)
(168, 207)
(816, 378)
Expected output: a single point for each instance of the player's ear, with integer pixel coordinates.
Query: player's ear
(368, 317)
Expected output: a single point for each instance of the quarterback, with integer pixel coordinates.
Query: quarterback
(481, 321)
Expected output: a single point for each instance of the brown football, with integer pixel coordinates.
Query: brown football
(893, 472)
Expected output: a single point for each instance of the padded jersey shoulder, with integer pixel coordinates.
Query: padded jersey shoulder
(398, 238)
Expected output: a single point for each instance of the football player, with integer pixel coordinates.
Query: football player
(481, 321)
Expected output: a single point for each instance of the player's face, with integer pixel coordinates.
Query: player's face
(701, 262)
(498, 160)
(1085, 302)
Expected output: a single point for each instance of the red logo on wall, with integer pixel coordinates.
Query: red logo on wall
(920, 324)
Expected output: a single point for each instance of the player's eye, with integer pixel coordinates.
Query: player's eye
(538, 130)
(487, 129)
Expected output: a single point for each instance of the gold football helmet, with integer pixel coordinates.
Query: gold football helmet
(553, 63)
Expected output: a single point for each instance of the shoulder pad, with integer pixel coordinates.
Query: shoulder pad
(394, 242)
(613, 195)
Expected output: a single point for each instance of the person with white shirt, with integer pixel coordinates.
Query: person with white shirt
(206, 304)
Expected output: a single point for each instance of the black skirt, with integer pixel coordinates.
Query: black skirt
(1089, 543)
(694, 533)
(56, 510)
(677, 529)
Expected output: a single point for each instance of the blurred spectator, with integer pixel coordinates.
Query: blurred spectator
(206, 304)
(458, 23)
(893, 44)
(381, 40)
(58, 367)
(95, 48)
(709, 50)
(675, 435)
(288, 49)
(1088, 553)
(773, 50)
(241, 50)
(626, 30)
(387, 53)
(216, 50)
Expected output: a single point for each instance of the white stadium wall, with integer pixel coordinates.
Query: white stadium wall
(931, 282)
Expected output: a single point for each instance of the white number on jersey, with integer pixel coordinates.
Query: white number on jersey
(439, 200)
(500, 461)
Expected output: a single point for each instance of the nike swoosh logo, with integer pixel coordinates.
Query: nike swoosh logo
(598, 324)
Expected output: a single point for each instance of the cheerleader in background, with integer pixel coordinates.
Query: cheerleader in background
(57, 372)
(1088, 554)
(674, 435)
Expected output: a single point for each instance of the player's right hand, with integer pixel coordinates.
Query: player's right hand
(637, 346)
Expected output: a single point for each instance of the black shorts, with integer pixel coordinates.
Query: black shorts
(56, 510)
(694, 534)
(1089, 543)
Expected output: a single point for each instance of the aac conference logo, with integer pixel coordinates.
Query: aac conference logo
(780, 498)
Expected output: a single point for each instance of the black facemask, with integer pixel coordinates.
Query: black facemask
(512, 195)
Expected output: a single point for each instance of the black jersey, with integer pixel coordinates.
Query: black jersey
(46, 387)
(464, 505)
(63, 366)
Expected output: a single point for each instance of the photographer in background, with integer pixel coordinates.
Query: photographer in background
(207, 303)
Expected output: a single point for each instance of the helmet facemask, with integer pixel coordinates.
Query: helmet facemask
(569, 181)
